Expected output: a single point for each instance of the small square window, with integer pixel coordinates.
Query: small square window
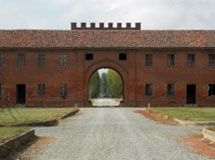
(1, 90)
(123, 56)
(41, 60)
(21, 60)
(170, 90)
(148, 60)
(211, 90)
(41, 90)
(211, 60)
(89, 56)
(148, 90)
(1, 60)
(191, 60)
(63, 61)
(63, 90)
(170, 60)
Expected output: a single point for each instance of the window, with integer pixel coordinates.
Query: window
(63, 60)
(148, 90)
(170, 90)
(191, 60)
(89, 56)
(41, 60)
(41, 90)
(170, 60)
(149, 61)
(211, 61)
(63, 90)
(123, 56)
(21, 60)
(1, 60)
(211, 90)
(1, 90)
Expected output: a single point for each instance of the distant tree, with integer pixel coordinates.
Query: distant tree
(104, 85)
(115, 84)
(94, 85)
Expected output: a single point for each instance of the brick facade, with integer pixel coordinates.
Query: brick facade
(134, 73)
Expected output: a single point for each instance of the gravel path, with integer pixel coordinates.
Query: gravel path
(105, 102)
(115, 134)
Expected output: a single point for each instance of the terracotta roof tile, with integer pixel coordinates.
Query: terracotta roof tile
(107, 39)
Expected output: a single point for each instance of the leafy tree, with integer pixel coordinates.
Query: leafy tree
(94, 85)
(115, 84)
(104, 85)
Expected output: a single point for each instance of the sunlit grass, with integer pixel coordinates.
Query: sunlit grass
(9, 132)
(31, 115)
(190, 114)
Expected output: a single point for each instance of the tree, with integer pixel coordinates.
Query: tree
(115, 84)
(94, 85)
(104, 85)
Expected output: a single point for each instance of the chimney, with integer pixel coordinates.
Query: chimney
(110, 25)
(128, 25)
(119, 25)
(83, 25)
(73, 25)
(92, 25)
(138, 26)
(101, 25)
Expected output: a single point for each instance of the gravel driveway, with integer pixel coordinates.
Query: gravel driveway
(105, 102)
(115, 134)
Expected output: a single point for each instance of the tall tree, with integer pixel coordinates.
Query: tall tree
(94, 85)
(115, 84)
(104, 85)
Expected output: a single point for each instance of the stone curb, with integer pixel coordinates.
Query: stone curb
(70, 114)
(194, 123)
(208, 134)
(54, 122)
(39, 124)
(15, 142)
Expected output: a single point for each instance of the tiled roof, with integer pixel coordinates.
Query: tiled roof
(107, 39)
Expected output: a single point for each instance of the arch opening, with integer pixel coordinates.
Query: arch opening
(105, 88)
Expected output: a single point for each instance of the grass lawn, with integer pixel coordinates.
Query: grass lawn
(9, 132)
(189, 114)
(212, 129)
(31, 115)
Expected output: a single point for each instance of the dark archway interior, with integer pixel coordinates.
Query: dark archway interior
(105, 87)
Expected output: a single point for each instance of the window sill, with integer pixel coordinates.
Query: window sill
(170, 96)
(148, 96)
(213, 96)
(148, 66)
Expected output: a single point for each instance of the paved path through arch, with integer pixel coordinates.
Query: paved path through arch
(115, 134)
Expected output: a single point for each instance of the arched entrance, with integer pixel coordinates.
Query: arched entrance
(105, 88)
(106, 64)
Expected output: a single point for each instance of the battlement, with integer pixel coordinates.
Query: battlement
(92, 26)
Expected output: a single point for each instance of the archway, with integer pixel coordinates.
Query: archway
(105, 87)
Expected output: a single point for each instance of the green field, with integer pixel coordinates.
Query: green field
(189, 114)
(212, 129)
(31, 115)
(9, 132)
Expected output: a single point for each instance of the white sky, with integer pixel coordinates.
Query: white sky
(153, 14)
(102, 70)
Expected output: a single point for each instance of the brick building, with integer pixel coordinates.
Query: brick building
(161, 67)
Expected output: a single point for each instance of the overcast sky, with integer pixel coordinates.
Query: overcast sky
(153, 14)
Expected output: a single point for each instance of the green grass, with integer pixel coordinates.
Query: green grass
(9, 132)
(31, 115)
(189, 114)
(212, 128)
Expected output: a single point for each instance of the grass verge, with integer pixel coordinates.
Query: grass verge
(31, 115)
(9, 132)
(188, 114)
(211, 129)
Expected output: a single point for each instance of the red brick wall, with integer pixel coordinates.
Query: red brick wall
(133, 71)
